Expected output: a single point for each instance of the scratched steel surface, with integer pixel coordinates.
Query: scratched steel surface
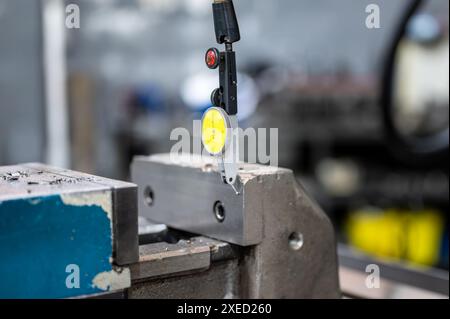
(50, 219)
(34, 179)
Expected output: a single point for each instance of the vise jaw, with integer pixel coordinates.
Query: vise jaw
(64, 234)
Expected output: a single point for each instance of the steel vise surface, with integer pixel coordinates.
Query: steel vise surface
(287, 242)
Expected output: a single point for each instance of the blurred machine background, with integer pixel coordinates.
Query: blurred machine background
(312, 69)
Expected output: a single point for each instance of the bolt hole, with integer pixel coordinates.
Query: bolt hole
(219, 211)
(149, 197)
(296, 241)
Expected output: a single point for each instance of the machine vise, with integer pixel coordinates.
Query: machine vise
(197, 238)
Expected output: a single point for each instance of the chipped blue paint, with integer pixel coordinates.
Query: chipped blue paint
(40, 236)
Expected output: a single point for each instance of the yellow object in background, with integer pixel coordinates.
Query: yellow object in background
(396, 234)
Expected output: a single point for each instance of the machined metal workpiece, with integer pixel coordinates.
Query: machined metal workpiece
(161, 260)
(287, 246)
(198, 267)
(189, 196)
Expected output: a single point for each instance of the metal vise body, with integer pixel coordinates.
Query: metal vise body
(276, 241)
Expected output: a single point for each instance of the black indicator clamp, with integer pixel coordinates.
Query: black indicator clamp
(227, 32)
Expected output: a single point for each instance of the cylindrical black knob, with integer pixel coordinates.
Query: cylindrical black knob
(215, 97)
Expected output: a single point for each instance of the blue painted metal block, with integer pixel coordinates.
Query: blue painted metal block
(63, 233)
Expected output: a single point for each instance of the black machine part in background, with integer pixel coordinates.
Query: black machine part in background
(227, 32)
(424, 150)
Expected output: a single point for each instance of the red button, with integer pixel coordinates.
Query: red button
(212, 58)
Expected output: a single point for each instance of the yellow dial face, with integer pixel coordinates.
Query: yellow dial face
(214, 131)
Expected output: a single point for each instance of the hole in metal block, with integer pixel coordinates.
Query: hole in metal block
(296, 241)
(219, 211)
(149, 196)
